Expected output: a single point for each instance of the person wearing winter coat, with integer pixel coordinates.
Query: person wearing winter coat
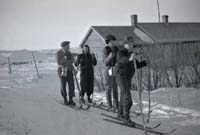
(125, 70)
(86, 60)
(109, 59)
(66, 71)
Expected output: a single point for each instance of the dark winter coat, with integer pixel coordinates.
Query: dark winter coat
(86, 63)
(124, 67)
(64, 58)
(106, 51)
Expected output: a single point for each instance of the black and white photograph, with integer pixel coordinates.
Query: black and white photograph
(99, 67)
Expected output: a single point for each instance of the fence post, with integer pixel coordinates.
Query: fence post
(35, 65)
(9, 65)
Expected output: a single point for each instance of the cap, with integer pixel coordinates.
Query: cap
(64, 43)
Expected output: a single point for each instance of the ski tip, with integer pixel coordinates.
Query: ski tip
(102, 114)
(173, 130)
(170, 132)
(159, 124)
(101, 103)
(81, 106)
(88, 107)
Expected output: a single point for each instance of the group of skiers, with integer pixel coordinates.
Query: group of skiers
(66, 72)
(120, 64)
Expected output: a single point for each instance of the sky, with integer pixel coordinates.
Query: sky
(43, 24)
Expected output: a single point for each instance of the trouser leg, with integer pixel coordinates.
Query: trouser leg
(125, 96)
(108, 87)
(90, 89)
(127, 100)
(120, 111)
(83, 87)
(63, 81)
(108, 96)
(70, 80)
(115, 93)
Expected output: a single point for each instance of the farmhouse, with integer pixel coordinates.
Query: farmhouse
(173, 49)
(151, 35)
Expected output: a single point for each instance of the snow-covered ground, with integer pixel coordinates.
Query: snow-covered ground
(28, 106)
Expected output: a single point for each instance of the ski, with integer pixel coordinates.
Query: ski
(79, 90)
(85, 106)
(100, 106)
(95, 104)
(75, 107)
(115, 118)
(140, 127)
(104, 107)
(136, 114)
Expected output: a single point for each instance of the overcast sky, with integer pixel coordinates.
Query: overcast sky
(43, 24)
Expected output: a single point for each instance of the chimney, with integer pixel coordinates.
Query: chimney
(165, 18)
(134, 20)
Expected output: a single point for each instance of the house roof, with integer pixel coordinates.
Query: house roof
(172, 32)
(119, 31)
(158, 32)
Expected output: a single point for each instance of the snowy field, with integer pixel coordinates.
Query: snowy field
(28, 106)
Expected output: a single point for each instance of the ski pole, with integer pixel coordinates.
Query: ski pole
(93, 57)
(140, 95)
(149, 89)
(78, 87)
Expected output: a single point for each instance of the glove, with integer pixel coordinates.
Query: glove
(132, 57)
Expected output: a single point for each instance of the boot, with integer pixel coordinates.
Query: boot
(110, 109)
(115, 110)
(89, 100)
(82, 99)
(71, 102)
(65, 101)
(120, 116)
(128, 121)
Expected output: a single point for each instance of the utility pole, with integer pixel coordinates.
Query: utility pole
(158, 10)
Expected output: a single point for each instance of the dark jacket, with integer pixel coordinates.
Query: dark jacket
(86, 62)
(124, 67)
(106, 51)
(64, 58)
